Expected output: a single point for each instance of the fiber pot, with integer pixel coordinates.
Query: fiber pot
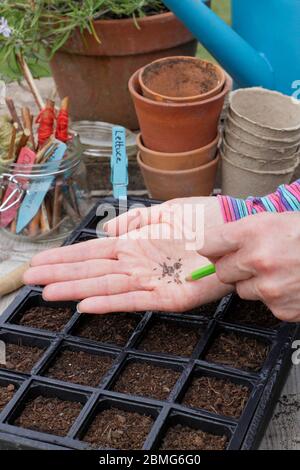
(247, 161)
(172, 128)
(181, 79)
(95, 76)
(177, 161)
(255, 139)
(165, 185)
(259, 151)
(242, 182)
(267, 113)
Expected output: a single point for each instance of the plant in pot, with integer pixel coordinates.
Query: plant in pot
(94, 46)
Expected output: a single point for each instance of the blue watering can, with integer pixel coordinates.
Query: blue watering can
(262, 49)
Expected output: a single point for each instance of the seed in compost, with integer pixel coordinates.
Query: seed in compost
(254, 313)
(219, 396)
(171, 337)
(185, 438)
(170, 271)
(21, 358)
(80, 367)
(239, 351)
(119, 429)
(149, 380)
(50, 415)
(113, 329)
(46, 318)
(6, 394)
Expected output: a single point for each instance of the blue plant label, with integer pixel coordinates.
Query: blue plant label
(38, 189)
(119, 163)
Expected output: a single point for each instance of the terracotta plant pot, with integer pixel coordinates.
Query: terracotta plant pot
(181, 80)
(178, 161)
(172, 128)
(95, 76)
(165, 185)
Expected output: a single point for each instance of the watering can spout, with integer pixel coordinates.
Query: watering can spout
(245, 64)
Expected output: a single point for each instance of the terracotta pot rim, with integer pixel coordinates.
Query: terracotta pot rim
(185, 99)
(160, 104)
(142, 147)
(151, 169)
(144, 19)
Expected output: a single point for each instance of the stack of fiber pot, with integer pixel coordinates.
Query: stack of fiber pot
(178, 101)
(261, 142)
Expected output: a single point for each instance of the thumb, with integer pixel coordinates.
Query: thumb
(222, 240)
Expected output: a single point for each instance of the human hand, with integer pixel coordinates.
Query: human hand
(260, 254)
(125, 274)
(179, 214)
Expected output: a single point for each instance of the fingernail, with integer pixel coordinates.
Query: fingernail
(78, 309)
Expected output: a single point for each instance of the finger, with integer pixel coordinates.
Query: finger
(224, 239)
(82, 289)
(233, 268)
(102, 248)
(126, 302)
(248, 290)
(133, 220)
(49, 274)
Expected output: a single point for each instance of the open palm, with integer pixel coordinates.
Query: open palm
(118, 274)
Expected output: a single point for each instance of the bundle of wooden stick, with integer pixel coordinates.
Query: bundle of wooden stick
(25, 142)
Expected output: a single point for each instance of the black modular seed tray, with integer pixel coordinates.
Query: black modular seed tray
(243, 433)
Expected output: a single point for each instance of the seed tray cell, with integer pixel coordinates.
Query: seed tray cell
(115, 329)
(182, 431)
(171, 335)
(236, 349)
(47, 411)
(120, 338)
(79, 364)
(218, 393)
(24, 352)
(118, 424)
(253, 314)
(136, 375)
(35, 313)
(8, 388)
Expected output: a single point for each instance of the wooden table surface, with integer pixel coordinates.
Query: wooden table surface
(284, 429)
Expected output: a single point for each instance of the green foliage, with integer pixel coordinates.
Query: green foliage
(45, 25)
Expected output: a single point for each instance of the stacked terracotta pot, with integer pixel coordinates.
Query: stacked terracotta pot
(178, 102)
(261, 142)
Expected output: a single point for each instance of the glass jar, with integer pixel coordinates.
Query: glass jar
(44, 202)
(96, 140)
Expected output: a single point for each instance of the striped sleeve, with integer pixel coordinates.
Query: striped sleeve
(286, 198)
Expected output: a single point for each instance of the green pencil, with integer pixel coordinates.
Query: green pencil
(201, 272)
